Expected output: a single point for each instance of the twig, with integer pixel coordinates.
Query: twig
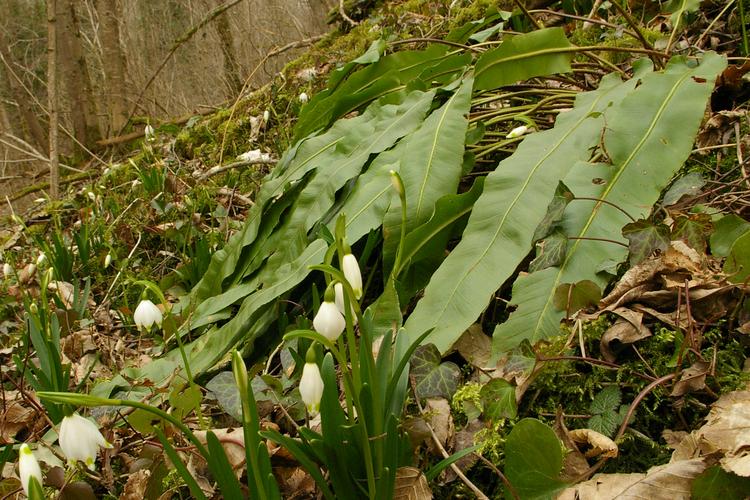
(526, 12)
(342, 12)
(739, 152)
(263, 160)
(633, 24)
(480, 495)
(502, 477)
(637, 401)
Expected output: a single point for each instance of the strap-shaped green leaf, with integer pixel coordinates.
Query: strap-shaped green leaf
(498, 235)
(541, 52)
(648, 136)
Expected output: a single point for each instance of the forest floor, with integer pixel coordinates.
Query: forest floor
(646, 385)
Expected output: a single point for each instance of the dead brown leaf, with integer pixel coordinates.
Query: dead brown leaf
(627, 329)
(135, 488)
(727, 430)
(672, 481)
(463, 439)
(15, 417)
(411, 485)
(474, 346)
(438, 414)
(574, 463)
(692, 379)
(598, 445)
(233, 442)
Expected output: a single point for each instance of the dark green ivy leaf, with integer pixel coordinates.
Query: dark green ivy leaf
(645, 238)
(432, 377)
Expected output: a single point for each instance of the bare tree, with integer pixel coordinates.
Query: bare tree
(12, 81)
(74, 74)
(231, 66)
(113, 62)
(54, 166)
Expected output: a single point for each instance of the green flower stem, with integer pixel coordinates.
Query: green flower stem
(90, 401)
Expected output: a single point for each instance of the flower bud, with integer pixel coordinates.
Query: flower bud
(311, 385)
(517, 132)
(352, 274)
(148, 131)
(107, 260)
(266, 115)
(28, 468)
(7, 270)
(397, 183)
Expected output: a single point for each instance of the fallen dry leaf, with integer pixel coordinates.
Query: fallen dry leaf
(14, 418)
(727, 431)
(135, 488)
(598, 444)
(233, 442)
(411, 485)
(627, 329)
(692, 379)
(672, 481)
(438, 414)
(574, 463)
(474, 346)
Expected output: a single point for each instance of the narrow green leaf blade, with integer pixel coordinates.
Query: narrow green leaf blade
(541, 52)
(648, 136)
(498, 235)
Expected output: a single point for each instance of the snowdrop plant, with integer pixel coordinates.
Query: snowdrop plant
(30, 473)
(374, 393)
(260, 479)
(147, 315)
(80, 440)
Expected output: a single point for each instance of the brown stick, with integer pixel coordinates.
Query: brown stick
(54, 159)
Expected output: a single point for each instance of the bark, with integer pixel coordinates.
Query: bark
(54, 166)
(113, 62)
(74, 74)
(33, 131)
(231, 66)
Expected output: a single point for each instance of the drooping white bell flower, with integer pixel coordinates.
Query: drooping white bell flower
(303, 98)
(146, 315)
(329, 322)
(80, 440)
(107, 260)
(41, 258)
(28, 467)
(338, 288)
(311, 386)
(517, 132)
(7, 270)
(266, 115)
(352, 274)
(148, 131)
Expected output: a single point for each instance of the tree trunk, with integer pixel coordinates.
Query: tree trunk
(113, 62)
(231, 67)
(34, 132)
(54, 166)
(75, 75)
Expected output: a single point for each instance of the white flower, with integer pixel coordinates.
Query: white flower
(266, 115)
(91, 196)
(148, 131)
(146, 314)
(41, 258)
(303, 98)
(311, 387)
(7, 270)
(80, 439)
(329, 322)
(339, 289)
(352, 274)
(517, 132)
(28, 467)
(107, 260)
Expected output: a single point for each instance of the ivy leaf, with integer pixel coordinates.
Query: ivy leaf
(737, 264)
(687, 185)
(555, 211)
(645, 238)
(224, 389)
(433, 378)
(533, 459)
(498, 399)
(693, 230)
(550, 251)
